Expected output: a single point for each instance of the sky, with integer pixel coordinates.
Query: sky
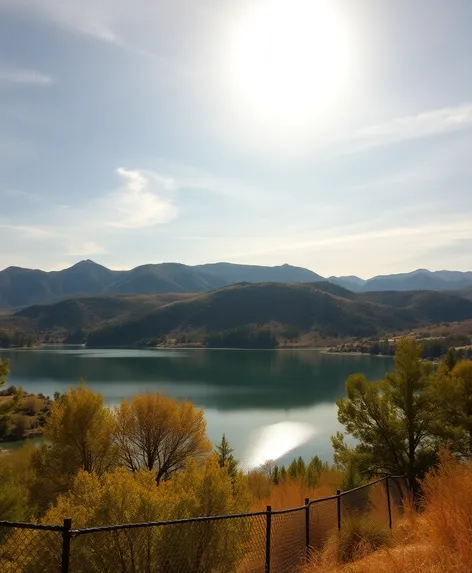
(330, 134)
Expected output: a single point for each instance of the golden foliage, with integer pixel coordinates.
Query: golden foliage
(4, 371)
(80, 429)
(158, 433)
(124, 497)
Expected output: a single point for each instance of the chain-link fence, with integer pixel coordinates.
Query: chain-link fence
(262, 542)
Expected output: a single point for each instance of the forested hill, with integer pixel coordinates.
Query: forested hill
(287, 310)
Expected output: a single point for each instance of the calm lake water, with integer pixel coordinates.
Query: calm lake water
(244, 392)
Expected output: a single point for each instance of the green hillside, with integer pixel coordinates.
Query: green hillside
(86, 313)
(302, 308)
(243, 315)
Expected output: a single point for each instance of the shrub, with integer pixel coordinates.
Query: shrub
(20, 425)
(359, 536)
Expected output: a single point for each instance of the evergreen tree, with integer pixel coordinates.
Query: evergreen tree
(393, 419)
(293, 469)
(225, 456)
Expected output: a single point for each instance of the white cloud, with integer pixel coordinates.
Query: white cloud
(22, 77)
(426, 124)
(31, 232)
(145, 200)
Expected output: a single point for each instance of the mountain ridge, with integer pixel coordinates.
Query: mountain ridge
(22, 287)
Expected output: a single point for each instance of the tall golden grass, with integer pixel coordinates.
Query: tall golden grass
(437, 539)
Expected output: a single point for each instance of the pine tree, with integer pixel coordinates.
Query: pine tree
(225, 456)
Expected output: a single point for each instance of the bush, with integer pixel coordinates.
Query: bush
(359, 536)
(20, 425)
(32, 405)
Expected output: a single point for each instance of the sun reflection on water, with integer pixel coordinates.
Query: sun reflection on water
(275, 440)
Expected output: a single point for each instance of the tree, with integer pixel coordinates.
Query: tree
(4, 371)
(452, 391)
(451, 358)
(292, 470)
(301, 468)
(79, 436)
(392, 419)
(6, 407)
(125, 497)
(155, 432)
(225, 456)
(314, 470)
(283, 473)
(80, 429)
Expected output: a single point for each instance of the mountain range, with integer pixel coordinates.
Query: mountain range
(21, 287)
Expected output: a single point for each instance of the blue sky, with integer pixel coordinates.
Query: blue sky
(334, 135)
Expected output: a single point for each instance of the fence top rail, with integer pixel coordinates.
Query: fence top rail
(39, 526)
(117, 527)
(170, 522)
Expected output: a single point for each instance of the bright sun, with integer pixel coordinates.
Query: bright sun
(290, 60)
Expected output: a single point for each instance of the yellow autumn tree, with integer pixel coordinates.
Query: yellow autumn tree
(3, 371)
(159, 433)
(79, 434)
(124, 497)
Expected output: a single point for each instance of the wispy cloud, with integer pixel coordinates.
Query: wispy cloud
(10, 76)
(145, 200)
(32, 232)
(422, 125)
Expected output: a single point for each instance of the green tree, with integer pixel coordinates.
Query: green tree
(393, 419)
(451, 358)
(452, 391)
(292, 470)
(301, 468)
(225, 456)
(314, 470)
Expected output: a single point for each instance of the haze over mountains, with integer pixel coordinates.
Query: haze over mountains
(21, 287)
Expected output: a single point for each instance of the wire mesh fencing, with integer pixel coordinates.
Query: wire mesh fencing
(30, 548)
(262, 542)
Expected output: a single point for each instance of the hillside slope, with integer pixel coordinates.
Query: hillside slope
(88, 312)
(304, 307)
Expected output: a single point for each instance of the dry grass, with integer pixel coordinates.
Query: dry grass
(437, 540)
(291, 492)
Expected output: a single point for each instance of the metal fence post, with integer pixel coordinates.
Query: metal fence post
(66, 537)
(338, 499)
(387, 487)
(268, 534)
(307, 528)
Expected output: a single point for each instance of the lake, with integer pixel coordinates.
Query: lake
(277, 397)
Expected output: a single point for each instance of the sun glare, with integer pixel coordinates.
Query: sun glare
(290, 60)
